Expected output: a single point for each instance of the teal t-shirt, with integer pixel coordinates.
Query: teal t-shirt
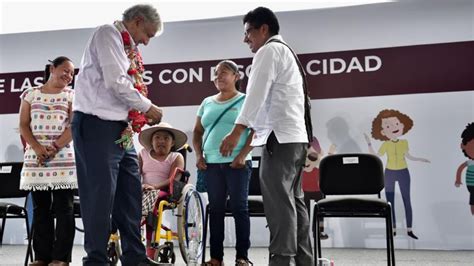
(209, 111)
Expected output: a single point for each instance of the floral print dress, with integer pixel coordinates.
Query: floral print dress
(49, 119)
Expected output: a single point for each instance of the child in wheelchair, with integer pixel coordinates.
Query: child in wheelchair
(158, 160)
(165, 186)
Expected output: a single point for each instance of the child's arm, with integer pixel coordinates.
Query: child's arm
(140, 169)
(461, 167)
(178, 163)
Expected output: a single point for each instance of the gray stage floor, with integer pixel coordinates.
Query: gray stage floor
(15, 254)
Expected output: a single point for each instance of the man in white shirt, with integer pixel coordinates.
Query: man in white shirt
(107, 88)
(275, 109)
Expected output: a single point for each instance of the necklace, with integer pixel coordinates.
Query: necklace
(136, 118)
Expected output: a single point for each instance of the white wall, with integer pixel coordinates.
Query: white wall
(439, 116)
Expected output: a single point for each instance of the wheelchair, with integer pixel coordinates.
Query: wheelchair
(186, 204)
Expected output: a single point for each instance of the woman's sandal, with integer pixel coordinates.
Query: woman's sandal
(243, 262)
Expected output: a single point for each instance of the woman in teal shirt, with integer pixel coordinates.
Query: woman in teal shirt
(224, 175)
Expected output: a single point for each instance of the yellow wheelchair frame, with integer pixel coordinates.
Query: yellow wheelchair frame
(186, 200)
(190, 222)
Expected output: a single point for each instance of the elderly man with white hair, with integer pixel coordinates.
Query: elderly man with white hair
(110, 105)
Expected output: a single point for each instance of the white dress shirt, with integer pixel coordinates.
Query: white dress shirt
(103, 87)
(275, 97)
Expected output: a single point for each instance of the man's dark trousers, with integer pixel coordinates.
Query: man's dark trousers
(109, 186)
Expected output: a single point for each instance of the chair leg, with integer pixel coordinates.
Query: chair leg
(387, 239)
(390, 234)
(2, 229)
(318, 237)
(314, 239)
(204, 237)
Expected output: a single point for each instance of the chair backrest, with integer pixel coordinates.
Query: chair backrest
(254, 185)
(351, 174)
(10, 180)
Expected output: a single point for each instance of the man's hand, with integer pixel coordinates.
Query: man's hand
(238, 162)
(154, 115)
(228, 143)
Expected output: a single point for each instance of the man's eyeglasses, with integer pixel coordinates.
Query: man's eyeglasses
(247, 31)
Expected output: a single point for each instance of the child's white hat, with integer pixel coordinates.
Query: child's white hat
(180, 137)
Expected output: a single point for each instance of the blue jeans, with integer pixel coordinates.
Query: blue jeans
(223, 181)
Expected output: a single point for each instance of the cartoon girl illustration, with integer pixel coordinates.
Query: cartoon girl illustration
(467, 147)
(389, 126)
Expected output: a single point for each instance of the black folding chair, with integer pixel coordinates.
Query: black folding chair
(349, 175)
(255, 201)
(10, 188)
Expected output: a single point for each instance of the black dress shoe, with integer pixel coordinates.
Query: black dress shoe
(147, 261)
(323, 236)
(410, 234)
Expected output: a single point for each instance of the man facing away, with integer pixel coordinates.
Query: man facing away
(275, 110)
(108, 86)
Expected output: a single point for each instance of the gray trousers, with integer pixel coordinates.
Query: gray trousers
(285, 210)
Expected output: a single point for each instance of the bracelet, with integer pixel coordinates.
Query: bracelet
(55, 145)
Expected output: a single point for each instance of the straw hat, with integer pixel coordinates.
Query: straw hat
(180, 137)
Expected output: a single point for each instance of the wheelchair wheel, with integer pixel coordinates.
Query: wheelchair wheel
(113, 250)
(191, 225)
(165, 253)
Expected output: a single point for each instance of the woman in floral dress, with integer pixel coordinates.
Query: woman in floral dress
(49, 168)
